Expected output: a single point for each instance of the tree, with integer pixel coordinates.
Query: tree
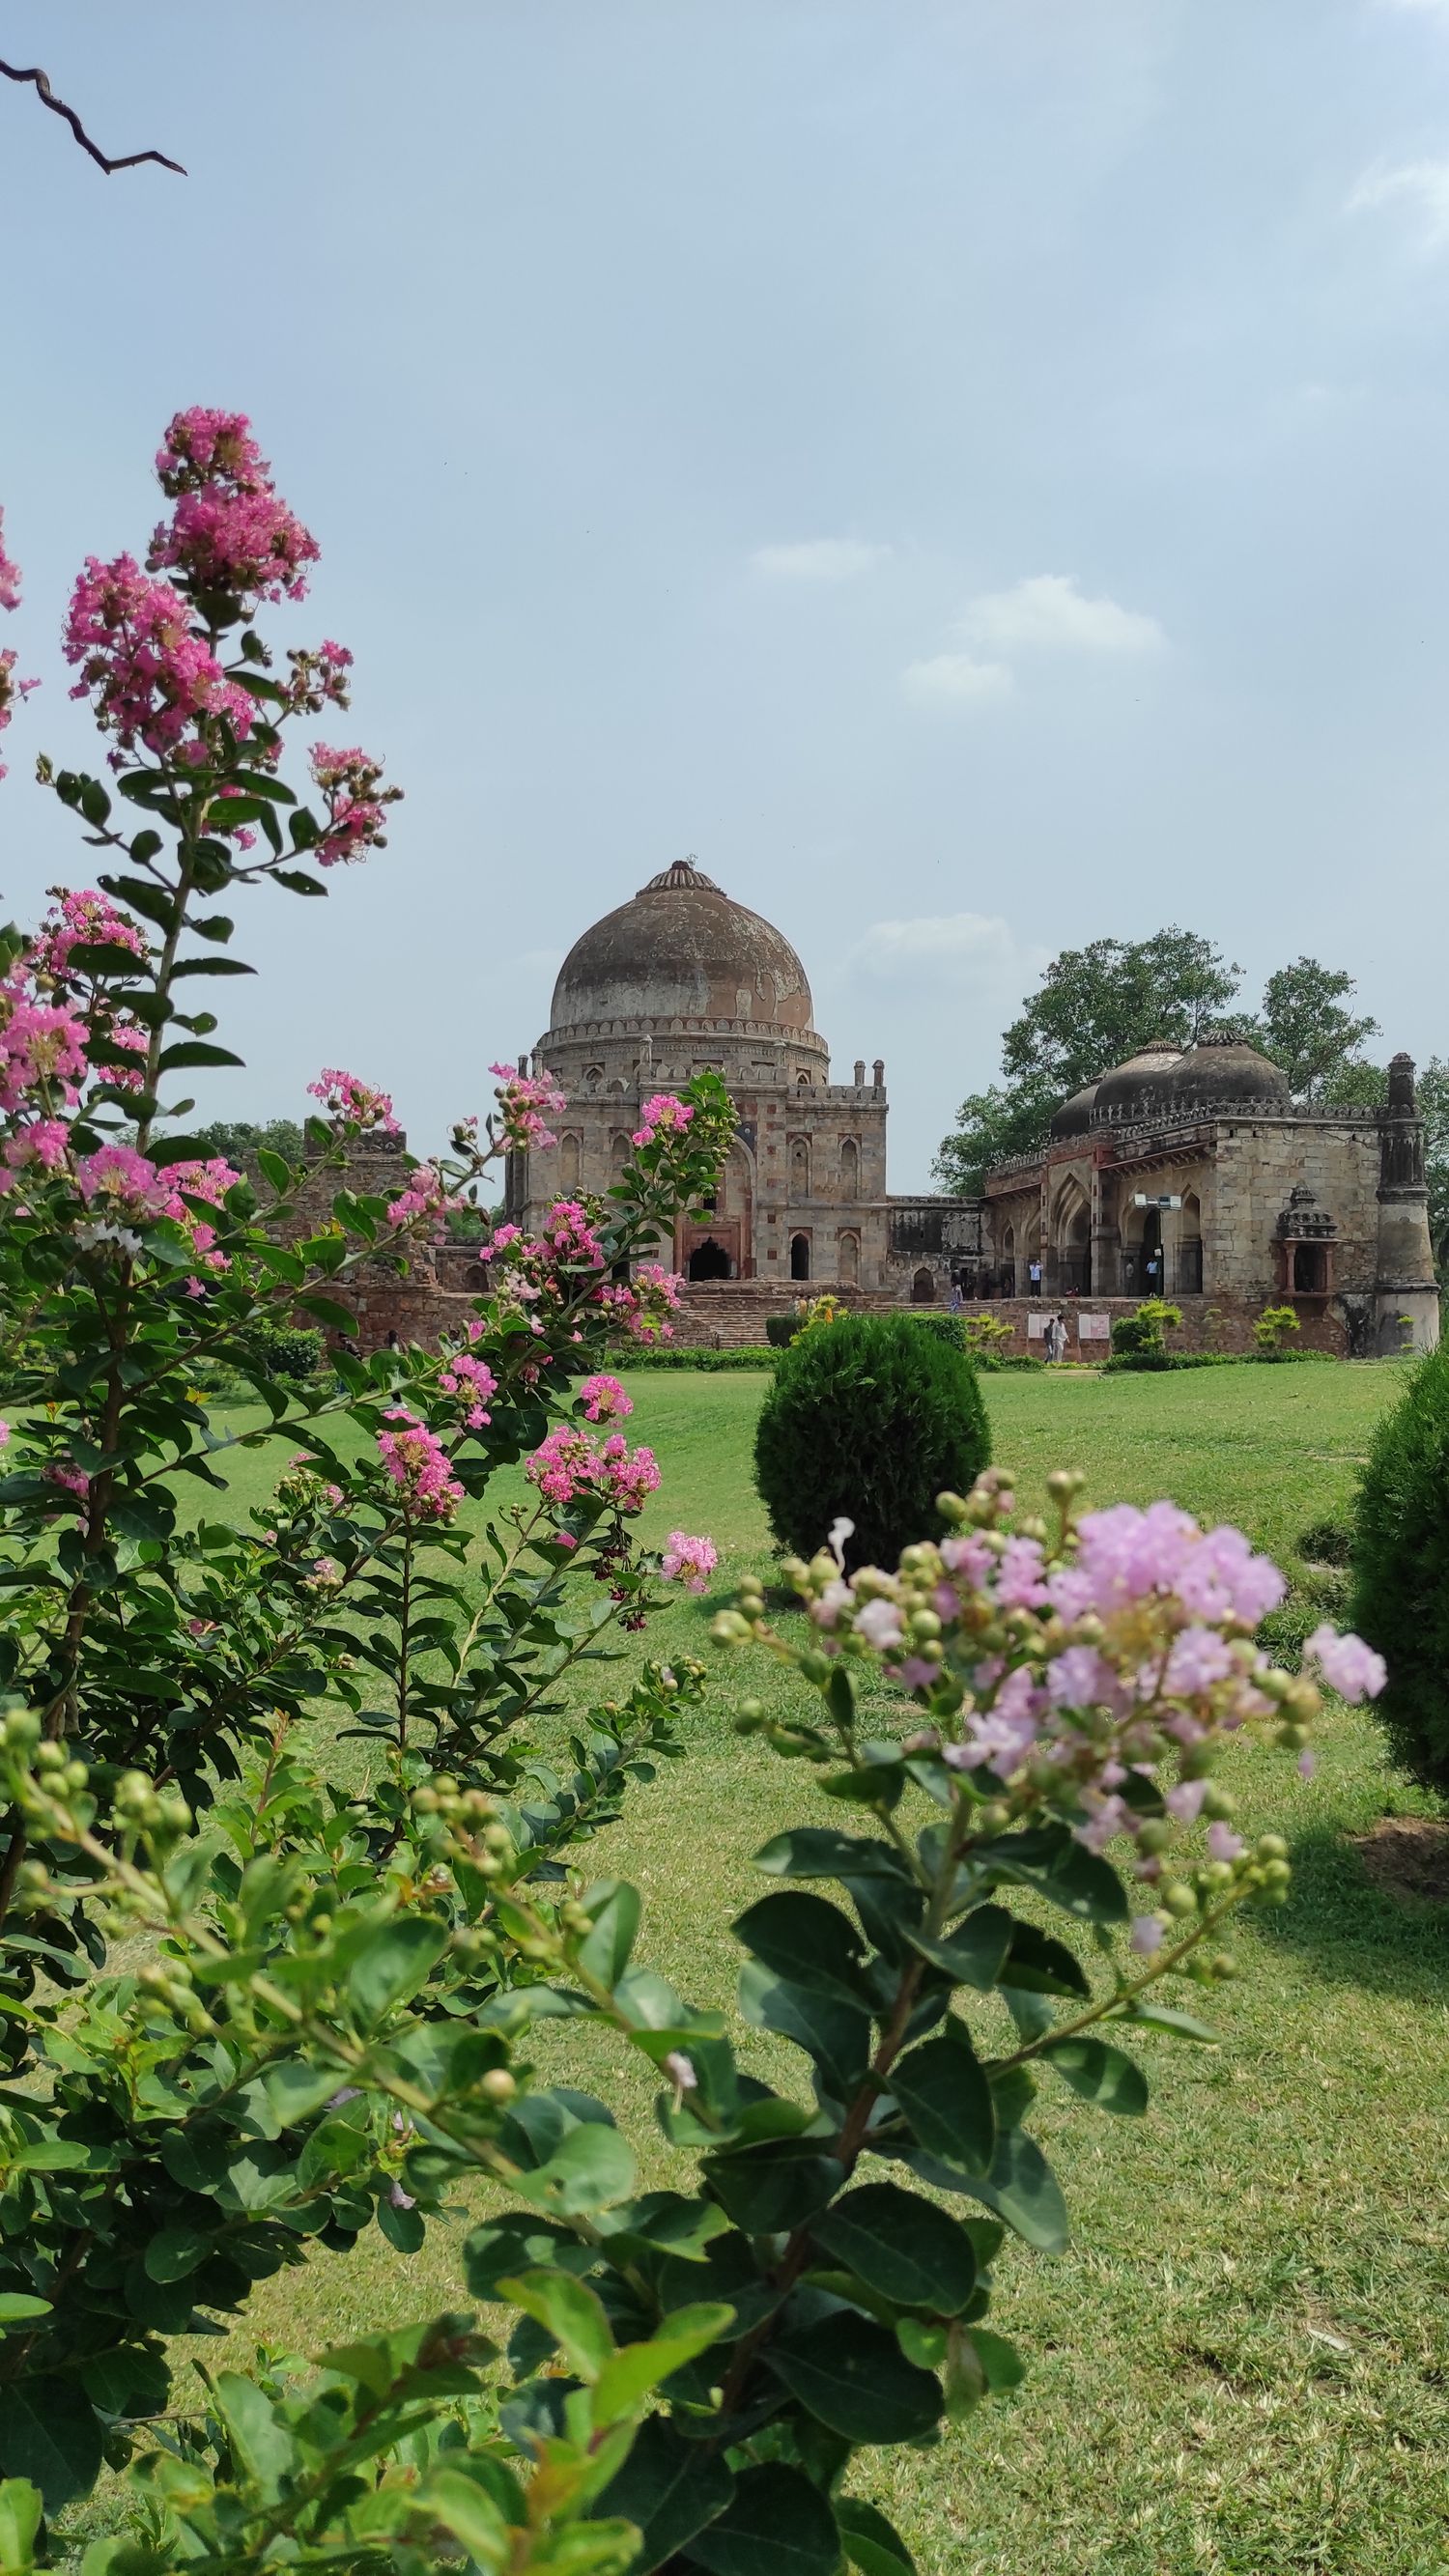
(39, 82)
(235, 1138)
(1305, 1028)
(1097, 1005)
(991, 1126)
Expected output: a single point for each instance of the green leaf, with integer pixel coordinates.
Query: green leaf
(638, 2367)
(257, 2430)
(1050, 1859)
(209, 966)
(835, 2036)
(974, 1952)
(196, 1051)
(571, 2312)
(213, 925)
(819, 1851)
(293, 878)
(49, 2434)
(462, 2506)
(670, 2488)
(912, 2252)
(776, 2524)
(1101, 2074)
(1020, 2187)
(1038, 1965)
(942, 2088)
(1166, 2017)
(520, 2242)
(393, 1962)
(806, 1939)
(21, 2506)
(592, 2169)
(18, 2308)
(871, 2543)
(175, 2251)
(103, 957)
(776, 2186)
(328, 1311)
(613, 1908)
(852, 2375)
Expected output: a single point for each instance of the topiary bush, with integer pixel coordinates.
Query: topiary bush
(1401, 1569)
(867, 1421)
(780, 1331)
(946, 1328)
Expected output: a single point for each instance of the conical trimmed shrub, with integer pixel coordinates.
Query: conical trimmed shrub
(868, 1420)
(1401, 1569)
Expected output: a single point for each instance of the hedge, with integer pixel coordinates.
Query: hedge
(751, 1355)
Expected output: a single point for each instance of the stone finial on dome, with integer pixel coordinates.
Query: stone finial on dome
(681, 876)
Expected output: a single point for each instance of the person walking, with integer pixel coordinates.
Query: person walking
(1055, 1338)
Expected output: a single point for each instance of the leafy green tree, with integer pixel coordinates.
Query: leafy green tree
(1097, 1005)
(991, 1126)
(237, 1138)
(1306, 1028)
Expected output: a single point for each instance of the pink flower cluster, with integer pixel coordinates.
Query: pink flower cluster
(568, 1236)
(474, 1381)
(571, 1462)
(42, 1048)
(427, 1195)
(80, 917)
(352, 1102)
(152, 679)
(117, 1183)
(229, 530)
(351, 781)
(9, 573)
(1129, 1648)
(662, 1116)
(416, 1461)
(643, 1306)
(10, 690)
(525, 1104)
(689, 1561)
(604, 1399)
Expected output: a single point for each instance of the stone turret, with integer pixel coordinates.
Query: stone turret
(1406, 1293)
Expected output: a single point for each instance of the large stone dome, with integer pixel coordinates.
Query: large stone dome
(1134, 1089)
(682, 950)
(1227, 1072)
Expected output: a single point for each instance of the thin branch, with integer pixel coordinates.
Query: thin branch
(57, 106)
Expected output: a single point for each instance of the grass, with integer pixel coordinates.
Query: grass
(1241, 2368)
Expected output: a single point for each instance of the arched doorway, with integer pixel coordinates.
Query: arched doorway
(799, 1256)
(709, 1260)
(1151, 1253)
(850, 1169)
(923, 1288)
(849, 1259)
(570, 1163)
(799, 1170)
(1006, 1285)
(1072, 1241)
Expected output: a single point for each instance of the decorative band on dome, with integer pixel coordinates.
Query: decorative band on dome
(681, 877)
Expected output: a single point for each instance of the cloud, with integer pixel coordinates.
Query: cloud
(1422, 186)
(955, 679)
(1048, 613)
(974, 952)
(818, 559)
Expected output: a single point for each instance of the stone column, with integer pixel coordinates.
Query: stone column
(1406, 1293)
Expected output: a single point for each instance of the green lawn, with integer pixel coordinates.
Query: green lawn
(1243, 2363)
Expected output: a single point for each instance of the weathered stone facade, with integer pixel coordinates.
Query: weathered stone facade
(1189, 1172)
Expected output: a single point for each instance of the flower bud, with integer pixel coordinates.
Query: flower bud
(1218, 1803)
(1065, 1482)
(951, 1508)
(727, 1628)
(1270, 1847)
(925, 1623)
(1177, 1898)
(1154, 1835)
(498, 2085)
(993, 1817)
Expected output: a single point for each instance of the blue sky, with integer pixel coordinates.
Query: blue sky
(972, 471)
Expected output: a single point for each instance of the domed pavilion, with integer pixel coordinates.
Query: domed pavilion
(681, 980)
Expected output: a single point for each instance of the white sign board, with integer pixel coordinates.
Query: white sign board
(1094, 1328)
(1035, 1327)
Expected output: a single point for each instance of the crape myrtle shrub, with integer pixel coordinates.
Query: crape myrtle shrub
(1400, 1568)
(251, 2011)
(867, 1421)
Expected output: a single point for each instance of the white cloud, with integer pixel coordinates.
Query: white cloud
(1048, 613)
(955, 679)
(818, 559)
(969, 951)
(1422, 186)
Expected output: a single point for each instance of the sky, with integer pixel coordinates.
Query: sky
(971, 472)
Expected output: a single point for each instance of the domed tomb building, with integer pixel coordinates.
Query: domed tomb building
(1191, 1173)
(682, 980)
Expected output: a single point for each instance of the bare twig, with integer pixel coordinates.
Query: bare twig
(57, 106)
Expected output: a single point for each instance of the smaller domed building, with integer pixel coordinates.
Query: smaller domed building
(1189, 1173)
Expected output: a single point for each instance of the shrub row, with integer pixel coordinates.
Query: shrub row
(751, 1355)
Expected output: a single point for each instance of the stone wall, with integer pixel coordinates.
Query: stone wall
(1225, 1323)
